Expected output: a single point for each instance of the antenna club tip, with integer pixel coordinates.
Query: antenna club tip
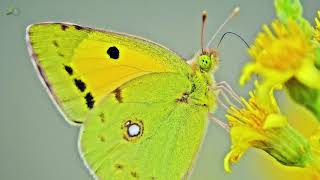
(236, 10)
(204, 14)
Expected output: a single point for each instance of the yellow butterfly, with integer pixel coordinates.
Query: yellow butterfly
(142, 109)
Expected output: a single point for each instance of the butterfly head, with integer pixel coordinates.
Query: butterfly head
(208, 60)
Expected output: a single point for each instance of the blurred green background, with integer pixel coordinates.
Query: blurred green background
(35, 141)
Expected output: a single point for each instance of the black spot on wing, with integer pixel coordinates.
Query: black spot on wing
(89, 100)
(55, 43)
(77, 122)
(80, 84)
(60, 54)
(64, 27)
(69, 70)
(78, 27)
(119, 166)
(117, 94)
(113, 52)
(183, 98)
(102, 118)
(101, 138)
(134, 174)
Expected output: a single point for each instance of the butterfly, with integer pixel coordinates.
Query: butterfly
(142, 109)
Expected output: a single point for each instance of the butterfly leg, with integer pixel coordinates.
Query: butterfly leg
(215, 120)
(219, 92)
(227, 88)
(225, 126)
(225, 98)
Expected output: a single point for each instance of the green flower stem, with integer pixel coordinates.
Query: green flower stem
(305, 96)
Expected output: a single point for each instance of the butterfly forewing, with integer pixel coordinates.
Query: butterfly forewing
(79, 65)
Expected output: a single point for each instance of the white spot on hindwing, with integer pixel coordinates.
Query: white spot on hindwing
(133, 130)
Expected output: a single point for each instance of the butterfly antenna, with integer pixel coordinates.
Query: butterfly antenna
(224, 35)
(204, 18)
(235, 12)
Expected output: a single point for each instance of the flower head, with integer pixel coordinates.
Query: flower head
(267, 129)
(278, 56)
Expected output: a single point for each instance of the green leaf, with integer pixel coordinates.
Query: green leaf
(288, 9)
(305, 96)
(292, 9)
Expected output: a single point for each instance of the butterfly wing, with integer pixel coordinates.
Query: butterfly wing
(165, 136)
(79, 65)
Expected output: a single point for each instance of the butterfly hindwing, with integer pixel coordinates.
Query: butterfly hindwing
(167, 131)
(80, 65)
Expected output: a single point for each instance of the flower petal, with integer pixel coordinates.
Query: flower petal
(275, 121)
(309, 75)
(248, 69)
(272, 80)
(232, 157)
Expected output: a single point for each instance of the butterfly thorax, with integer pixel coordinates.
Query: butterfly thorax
(204, 65)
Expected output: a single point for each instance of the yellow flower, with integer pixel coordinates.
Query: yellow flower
(278, 56)
(267, 129)
(315, 148)
(317, 29)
